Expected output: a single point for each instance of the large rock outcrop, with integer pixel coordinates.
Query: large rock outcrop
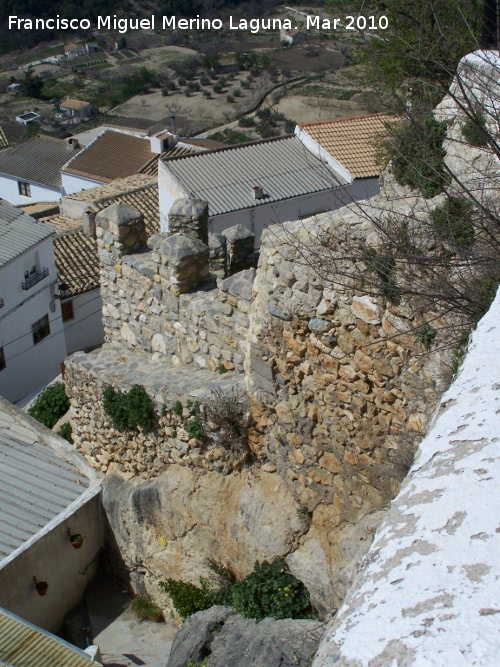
(169, 526)
(230, 639)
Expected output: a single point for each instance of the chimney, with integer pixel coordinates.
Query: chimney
(88, 226)
(257, 192)
(73, 143)
(161, 141)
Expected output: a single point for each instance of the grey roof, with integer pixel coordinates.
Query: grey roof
(39, 160)
(36, 484)
(18, 232)
(22, 643)
(224, 177)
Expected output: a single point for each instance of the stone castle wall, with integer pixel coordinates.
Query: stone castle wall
(158, 298)
(340, 387)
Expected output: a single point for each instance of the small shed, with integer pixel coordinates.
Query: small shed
(28, 117)
(292, 36)
(74, 50)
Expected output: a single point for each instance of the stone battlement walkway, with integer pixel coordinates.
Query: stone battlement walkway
(116, 365)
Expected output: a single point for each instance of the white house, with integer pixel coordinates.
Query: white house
(31, 172)
(255, 185)
(74, 50)
(32, 343)
(48, 493)
(77, 260)
(76, 108)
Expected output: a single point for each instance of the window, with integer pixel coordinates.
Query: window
(40, 329)
(24, 188)
(67, 310)
(30, 272)
(2, 359)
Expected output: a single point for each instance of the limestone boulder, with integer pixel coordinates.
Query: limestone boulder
(230, 639)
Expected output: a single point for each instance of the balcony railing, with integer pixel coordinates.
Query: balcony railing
(35, 278)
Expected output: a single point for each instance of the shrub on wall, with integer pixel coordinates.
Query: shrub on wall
(453, 221)
(475, 131)
(50, 405)
(418, 155)
(131, 409)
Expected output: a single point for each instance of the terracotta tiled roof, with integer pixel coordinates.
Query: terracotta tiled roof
(113, 189)
(61, 223)
(112, 155)
(115, 155)
(76, 255)
(77, 105)
(151, 168)
(352, 141)
(77, 262)
(4, 142)
(209, 144)
(145, 200)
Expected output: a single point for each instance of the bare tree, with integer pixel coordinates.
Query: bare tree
(433, 239)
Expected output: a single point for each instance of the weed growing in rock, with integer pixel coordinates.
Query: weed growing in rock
(453, 221)
(426, 335)
(195, 428)
(475, 131)
(416, 162)
(271, 591)
(177, 408)
(226, 410)
(66, 432)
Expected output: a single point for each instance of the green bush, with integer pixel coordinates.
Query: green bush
(246, 121)
(417, 155)
(453, 221)
(475, 131)
(186, 597)
(130, 409)
(50, 405)
(271, 591)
